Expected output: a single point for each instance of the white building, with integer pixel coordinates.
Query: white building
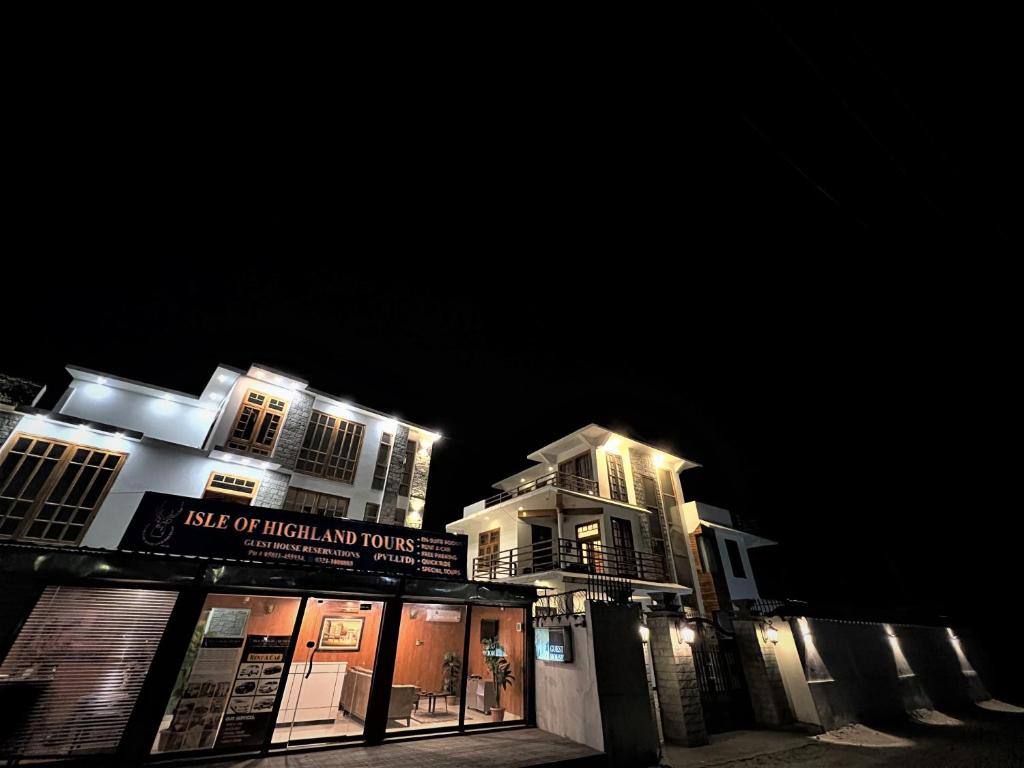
(257, 437)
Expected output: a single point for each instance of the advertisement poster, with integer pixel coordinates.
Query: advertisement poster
(254, 691)
(197, 716)
(211, 528)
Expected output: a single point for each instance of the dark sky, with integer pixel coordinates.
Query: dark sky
(774, 243)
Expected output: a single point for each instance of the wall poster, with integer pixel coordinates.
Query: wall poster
(254, 692)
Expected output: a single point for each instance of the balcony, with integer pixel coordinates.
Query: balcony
(573, 556)
(561, 480)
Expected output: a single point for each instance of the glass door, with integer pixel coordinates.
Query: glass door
(327, 686)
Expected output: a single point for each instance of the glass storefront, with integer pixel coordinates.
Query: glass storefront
(176, 672)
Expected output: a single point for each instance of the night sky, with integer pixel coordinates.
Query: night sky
(772, 243)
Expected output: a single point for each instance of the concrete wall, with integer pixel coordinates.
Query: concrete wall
(798, 692)
(858, 673)
(567, 694)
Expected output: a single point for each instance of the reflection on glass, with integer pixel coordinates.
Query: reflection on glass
(230, 679)
(428, 668)
(328, 685)
(497, 661)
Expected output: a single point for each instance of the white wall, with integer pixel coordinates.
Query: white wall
(797, 691)
(739, 589)
(170, 420)
(567, 700)
(150, 466)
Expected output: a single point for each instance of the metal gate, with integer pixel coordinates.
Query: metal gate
(723, 688)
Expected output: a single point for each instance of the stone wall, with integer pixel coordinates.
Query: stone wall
(763, 676)
(682, 716)
(389, 503)
(8, 424)
(286, 452)
(273, 490)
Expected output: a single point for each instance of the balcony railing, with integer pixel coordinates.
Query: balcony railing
(571, 555)
(561, 480)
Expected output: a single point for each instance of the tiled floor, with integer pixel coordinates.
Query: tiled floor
(347, 726)
(497, 749)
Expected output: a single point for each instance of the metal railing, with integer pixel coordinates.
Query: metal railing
(562, 480)
(571, 555)
(562, 604)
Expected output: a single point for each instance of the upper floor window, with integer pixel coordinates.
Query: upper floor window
(617, 478)
(371, 512)
(241, 490)
(488, 545)
(380, 471)
(258, 423)
(410, 463)
(310, 502)
(50, 490)
(732, 549)
(668, 493)
(330, 447)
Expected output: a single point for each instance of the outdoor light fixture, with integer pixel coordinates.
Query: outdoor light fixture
(686, 634)
(769, 633)
(645, 633)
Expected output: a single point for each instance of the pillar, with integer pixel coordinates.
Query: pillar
(764, 677)
(682, 716)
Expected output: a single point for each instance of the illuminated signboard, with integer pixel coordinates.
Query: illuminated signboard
(553, 644)
(219, 529)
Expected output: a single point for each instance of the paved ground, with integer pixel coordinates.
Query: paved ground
(984, 740)
(500, 749)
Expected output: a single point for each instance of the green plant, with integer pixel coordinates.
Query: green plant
(501, 670)
(450, 668)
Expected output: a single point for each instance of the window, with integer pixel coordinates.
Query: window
(410, 462)
(732, 549)
(708, 560)
(668, 494)
(330, 447)
(622, 533)
(380, 471)
(488, 545)
(371, 513)
(313, 503)
(257, 424)
(241, 490)
(617, 478)
(50, 490)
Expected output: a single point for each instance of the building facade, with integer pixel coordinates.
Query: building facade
(235, 572)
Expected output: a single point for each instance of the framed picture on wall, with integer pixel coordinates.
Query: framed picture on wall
(340, 633)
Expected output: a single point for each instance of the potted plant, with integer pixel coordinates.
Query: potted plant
(450, 668)
(501, 671)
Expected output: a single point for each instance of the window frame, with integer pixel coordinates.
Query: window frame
(494, 537)
(736, 565)
(263, 411)
(384, 449)
(411, 446)
(618, 489)
(225, 494)
(317, 495)
(327, 468)
(47, 487)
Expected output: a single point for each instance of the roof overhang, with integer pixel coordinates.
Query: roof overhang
(748, 538)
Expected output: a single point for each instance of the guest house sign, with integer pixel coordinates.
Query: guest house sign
(186, 526)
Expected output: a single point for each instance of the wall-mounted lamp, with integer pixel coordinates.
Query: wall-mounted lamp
(769, 633)
(687, 635)
(645, 633)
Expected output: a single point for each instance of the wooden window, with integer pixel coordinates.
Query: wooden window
(617, 478)
(380, 471)
(313, 503)
(488, 545)
(241, 490)
(50, 490)
(580, 466)
(258, 423)
(410, 463)
(330, 447)
(622, 533)
(371, 513)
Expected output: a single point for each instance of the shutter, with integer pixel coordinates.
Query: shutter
(77, 667)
